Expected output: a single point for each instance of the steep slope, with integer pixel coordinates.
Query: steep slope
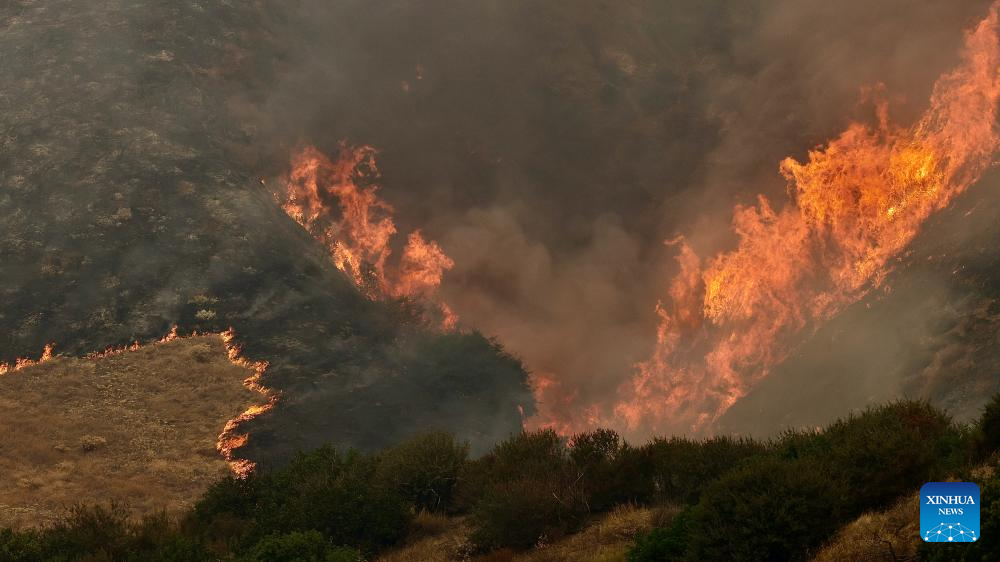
(127, 205)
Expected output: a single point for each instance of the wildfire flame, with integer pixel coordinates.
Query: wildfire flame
(854, 205)
(23, 362)
(230, 439)
(336, 201)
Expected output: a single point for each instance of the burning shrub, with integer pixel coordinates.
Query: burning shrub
(425, 469)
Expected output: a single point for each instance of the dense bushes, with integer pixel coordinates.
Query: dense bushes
(987, 431)
(768, 509)
(537, 486)
(324, 506)
(888, 451)
(683, 467)
(308, 546)
(26, 546)
(326, 491)
(741, 499)
(103, 534)
(525, 490)
(425, 470)
(782, 500)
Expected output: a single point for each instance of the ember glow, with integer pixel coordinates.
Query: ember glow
(855, 204)
(337, 202)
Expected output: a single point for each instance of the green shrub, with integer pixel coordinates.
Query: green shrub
(887, 451)
(524, 490)
(307, 546)
(101, 532)
(156, 538)
(767, 509)
(521, 513)
(23, 546)
(596, 456)
(987, 430)
(333, 493)
(524, 454)
(98, 533)
(224, 517)
(425, 470)
(683, 467)
(632, 479)
(663, 544)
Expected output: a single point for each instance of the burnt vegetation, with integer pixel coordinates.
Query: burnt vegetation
(536, 488)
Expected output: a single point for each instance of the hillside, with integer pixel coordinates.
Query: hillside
(129, 204)
(140, 142)
(137, 427)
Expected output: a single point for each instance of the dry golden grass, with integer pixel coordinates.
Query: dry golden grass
(433, 538)
(893, 534)
(138, 427)
(607, 539)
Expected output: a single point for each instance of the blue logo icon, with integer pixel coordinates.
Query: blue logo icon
(949, 512)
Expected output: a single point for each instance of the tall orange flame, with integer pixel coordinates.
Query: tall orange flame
(337, 202)
(857, 203)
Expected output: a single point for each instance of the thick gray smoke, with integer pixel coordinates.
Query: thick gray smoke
(551, 148)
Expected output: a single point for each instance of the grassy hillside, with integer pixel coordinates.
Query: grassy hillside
(138, 427)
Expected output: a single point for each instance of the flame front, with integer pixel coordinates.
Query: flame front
(24, 362)
(336, 201)
(855, 204)
(230, 439)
